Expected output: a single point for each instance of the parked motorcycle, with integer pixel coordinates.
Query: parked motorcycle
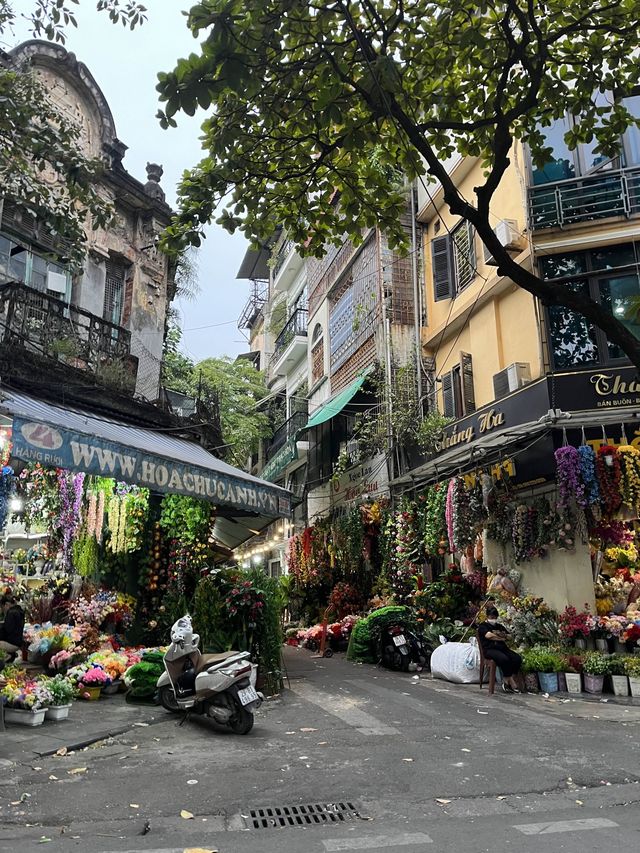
(219, 686)
(402, 650)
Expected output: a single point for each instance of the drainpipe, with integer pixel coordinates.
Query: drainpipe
(417, 313)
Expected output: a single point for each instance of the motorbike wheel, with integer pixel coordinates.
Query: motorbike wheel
(241, 722)
(168, 699)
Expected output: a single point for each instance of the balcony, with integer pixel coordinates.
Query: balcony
(35, 322)
(291, 343)
(585, 199)
(285, 432)
(287, 265)
(253, 307)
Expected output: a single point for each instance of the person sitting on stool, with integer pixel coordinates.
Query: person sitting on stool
(492, 636)
(12, 628)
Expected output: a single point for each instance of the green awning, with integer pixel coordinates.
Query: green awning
(336, 404)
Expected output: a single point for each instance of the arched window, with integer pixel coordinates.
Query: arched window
(317, 333)
(317, 354)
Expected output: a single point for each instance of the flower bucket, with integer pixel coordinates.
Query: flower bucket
(91, 694)
(620, 685)
(58, 712)
(593, 683)
(634, 686)
(602, 645)
(562, 683)
(548, 682)
(574, 682)
(531, 682)
(23, 717)
(112, 688)
(580, 643)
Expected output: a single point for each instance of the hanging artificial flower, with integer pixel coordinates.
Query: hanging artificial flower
(463, 522)
(630, 475)
(114, 521)
(570, 486)
(99, 525)
(92, 514)
(7, 489)
(435, 522)
(588, 474)
(70, 488)
(523, 536)
(449, 514)
(609, 476)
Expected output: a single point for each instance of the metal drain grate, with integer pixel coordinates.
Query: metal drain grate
(311, 814)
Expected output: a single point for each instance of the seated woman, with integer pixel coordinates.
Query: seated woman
(492, 636)
(12, 628)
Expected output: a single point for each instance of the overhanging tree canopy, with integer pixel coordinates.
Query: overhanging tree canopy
(306, 98)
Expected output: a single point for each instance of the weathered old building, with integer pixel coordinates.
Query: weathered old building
(109, 317)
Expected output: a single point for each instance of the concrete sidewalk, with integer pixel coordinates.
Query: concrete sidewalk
(87, 722)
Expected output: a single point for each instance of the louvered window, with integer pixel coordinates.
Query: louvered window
(458, 397)
(453, 260)
(464, 255)
(442, 265)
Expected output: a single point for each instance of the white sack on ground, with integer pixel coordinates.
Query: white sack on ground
(457, 662)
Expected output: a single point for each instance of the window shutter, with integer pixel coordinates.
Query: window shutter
(466, 373)
(472, 247)
(448, 398)
(442, 266)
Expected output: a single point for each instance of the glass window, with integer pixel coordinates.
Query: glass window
(559, 266)
(18, 263)
(561, 164)
(610, 257)
(621, 295)
(38, 273)
(573, 338)
(590, 157)
(632, 136)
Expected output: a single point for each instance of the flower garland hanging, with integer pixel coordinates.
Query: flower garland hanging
(92, 514)
(99, 525)
(630, 470)
(609, 475)
(463, 522)
(449, 514)
(406, 556)
(523, 535)
(570, 486)
(70, 488)
(137, 504)
(7, 489)
(115, 512)
(435, 522)
(588, 474)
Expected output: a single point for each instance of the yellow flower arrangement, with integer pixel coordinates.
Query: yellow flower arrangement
(614, 554)
(630, 468)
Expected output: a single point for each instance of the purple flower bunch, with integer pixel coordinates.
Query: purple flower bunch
(587, 460)
(70, 488)
(570, 485)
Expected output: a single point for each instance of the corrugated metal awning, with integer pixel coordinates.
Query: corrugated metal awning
(81, 441)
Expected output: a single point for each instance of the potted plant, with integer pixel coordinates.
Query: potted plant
(546, 664)
(595, 667)
(529, 672)
(632, 669)
(62, 692)
(619, 679)
(572, 673)
(575, 626)
(92, 682)
(26, 702)
(292, 636)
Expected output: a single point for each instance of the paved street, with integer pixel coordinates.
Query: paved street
(418, 764)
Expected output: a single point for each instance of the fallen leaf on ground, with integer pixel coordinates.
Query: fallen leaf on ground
(307, 729)
(61, 751)
(44, 840)
(76, 771)
(186, 815)
(442, 801)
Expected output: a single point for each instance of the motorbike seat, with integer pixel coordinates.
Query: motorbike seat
(208, 660)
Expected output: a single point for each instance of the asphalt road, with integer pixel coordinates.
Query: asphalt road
(402, 765)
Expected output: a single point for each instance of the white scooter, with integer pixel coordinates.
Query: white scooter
(220, 686)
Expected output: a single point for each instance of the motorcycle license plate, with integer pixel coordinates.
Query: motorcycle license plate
(399, 640)
(247, 695)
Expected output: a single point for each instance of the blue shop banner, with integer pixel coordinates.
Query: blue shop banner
(55, 447)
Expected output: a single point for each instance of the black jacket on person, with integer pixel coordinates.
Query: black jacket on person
(12, 630)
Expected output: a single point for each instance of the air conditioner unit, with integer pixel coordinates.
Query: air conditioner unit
(509, 236)
(56, 282)
(510, 379)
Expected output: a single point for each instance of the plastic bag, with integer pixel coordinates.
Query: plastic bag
(457, 662)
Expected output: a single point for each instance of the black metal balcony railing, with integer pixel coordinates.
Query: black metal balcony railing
(295, 326)
(283, 433)
(47, 326)
(598, 196)
(284, 251)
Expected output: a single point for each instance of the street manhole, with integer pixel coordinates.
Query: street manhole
(310, 814)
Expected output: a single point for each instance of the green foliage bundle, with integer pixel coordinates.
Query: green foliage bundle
(541, 659)
(85, 556)
(366, 632)
(596, 663)
(186, 519)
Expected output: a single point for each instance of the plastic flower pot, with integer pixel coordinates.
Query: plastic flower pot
(562, 683)
(580, 643)
(24, 717)
(574, 682)
(58, 712)
(91, 694)
(634, 686)
(602, 645)
(111, 689)
(593, 683)
(620, 685)
(548, 682)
